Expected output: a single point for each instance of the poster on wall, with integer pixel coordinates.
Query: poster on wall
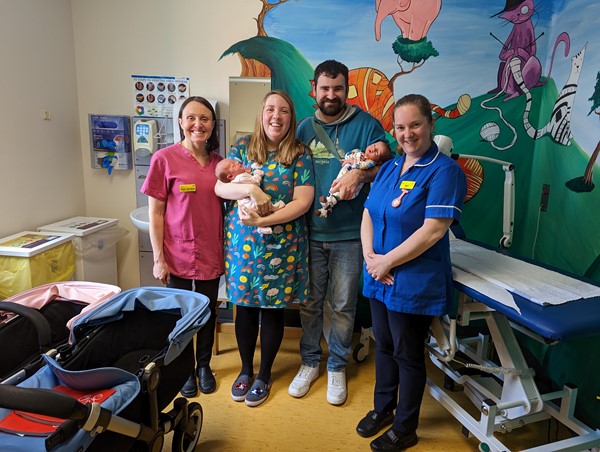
(155, 95)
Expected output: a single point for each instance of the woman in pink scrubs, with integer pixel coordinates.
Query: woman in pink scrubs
(186, 222)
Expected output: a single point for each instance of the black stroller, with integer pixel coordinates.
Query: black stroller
(127, 359)
(35, 321)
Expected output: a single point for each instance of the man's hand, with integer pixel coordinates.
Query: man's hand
(346, 185)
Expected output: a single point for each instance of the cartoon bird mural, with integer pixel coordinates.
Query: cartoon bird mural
(413, 17)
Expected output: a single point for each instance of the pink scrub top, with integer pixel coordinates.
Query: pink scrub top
(193, 232)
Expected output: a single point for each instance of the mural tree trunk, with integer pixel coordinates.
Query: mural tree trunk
(415, 52)
(253, 68)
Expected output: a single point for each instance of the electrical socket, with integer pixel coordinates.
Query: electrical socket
(545, 196)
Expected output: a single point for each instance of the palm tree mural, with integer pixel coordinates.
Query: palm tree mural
(584, 183)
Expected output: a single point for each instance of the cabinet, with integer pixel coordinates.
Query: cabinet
(245, 99)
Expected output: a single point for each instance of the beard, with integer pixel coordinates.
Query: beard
(334, 107)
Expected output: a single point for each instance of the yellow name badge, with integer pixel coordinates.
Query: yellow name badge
(186, 188)
(407, 184)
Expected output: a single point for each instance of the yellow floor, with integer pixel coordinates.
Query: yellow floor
(284, 423)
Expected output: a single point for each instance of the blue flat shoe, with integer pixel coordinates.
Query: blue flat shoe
(240, 387)
(259, 393)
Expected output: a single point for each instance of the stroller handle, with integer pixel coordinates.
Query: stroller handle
(42, 401)
(39, 322)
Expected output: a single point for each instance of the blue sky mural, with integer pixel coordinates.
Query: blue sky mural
(468, 55)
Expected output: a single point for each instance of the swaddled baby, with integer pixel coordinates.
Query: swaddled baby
(232, 171)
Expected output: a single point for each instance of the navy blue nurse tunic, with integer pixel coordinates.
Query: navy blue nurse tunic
(434, 187)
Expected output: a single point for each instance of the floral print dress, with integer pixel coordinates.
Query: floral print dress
(269, 271)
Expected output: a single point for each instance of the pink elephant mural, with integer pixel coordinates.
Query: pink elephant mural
(412, 17)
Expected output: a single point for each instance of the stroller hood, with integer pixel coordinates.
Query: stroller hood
(192, 306)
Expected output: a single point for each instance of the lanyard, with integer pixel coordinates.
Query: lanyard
(397, 201)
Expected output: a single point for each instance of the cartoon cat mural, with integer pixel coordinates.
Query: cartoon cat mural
(521, 43)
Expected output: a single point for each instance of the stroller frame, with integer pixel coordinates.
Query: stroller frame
(37, 321)
(184, 419)
(87, 421)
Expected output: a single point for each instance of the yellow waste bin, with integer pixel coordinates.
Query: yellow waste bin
(29, 259)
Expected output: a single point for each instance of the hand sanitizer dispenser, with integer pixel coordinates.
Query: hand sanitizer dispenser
(144, 137)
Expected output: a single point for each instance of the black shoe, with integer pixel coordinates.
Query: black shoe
(373, 422)
(190, 389)
(391, 442)
(207, 380)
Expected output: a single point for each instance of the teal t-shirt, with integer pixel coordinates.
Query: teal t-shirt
(355, 130)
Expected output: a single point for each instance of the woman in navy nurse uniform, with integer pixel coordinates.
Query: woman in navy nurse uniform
(408, 274)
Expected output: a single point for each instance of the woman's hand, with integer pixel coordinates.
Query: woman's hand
(378, 267)
(160, 270)
(249, 216)
(240, 191)
(156, 212)
(262, 201)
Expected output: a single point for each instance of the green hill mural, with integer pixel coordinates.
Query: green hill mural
(565, 236)
(537, 162)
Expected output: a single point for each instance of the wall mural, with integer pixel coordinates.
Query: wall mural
(515, 80)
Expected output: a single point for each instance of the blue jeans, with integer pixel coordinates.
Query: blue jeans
(335, 269)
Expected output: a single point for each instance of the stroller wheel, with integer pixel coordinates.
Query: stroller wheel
(186, 436)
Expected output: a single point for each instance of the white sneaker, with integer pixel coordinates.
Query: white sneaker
(336, 387)
(301, 382)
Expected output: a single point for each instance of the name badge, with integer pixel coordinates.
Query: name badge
(407, 184)
(186, 188)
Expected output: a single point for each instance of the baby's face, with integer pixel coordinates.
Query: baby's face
(375, 151)
(236, 168)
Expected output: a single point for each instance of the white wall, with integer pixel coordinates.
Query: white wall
(76, 57)
(41, 180)
(115, 39)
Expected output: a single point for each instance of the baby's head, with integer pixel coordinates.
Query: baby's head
(378, 152)
(227, 169)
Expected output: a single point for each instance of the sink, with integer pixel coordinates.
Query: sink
(141, 219)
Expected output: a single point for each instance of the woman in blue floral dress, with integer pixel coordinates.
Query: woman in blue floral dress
(266, 273)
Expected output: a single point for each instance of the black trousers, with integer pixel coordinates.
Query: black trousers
(205, 338)
(400, 372)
